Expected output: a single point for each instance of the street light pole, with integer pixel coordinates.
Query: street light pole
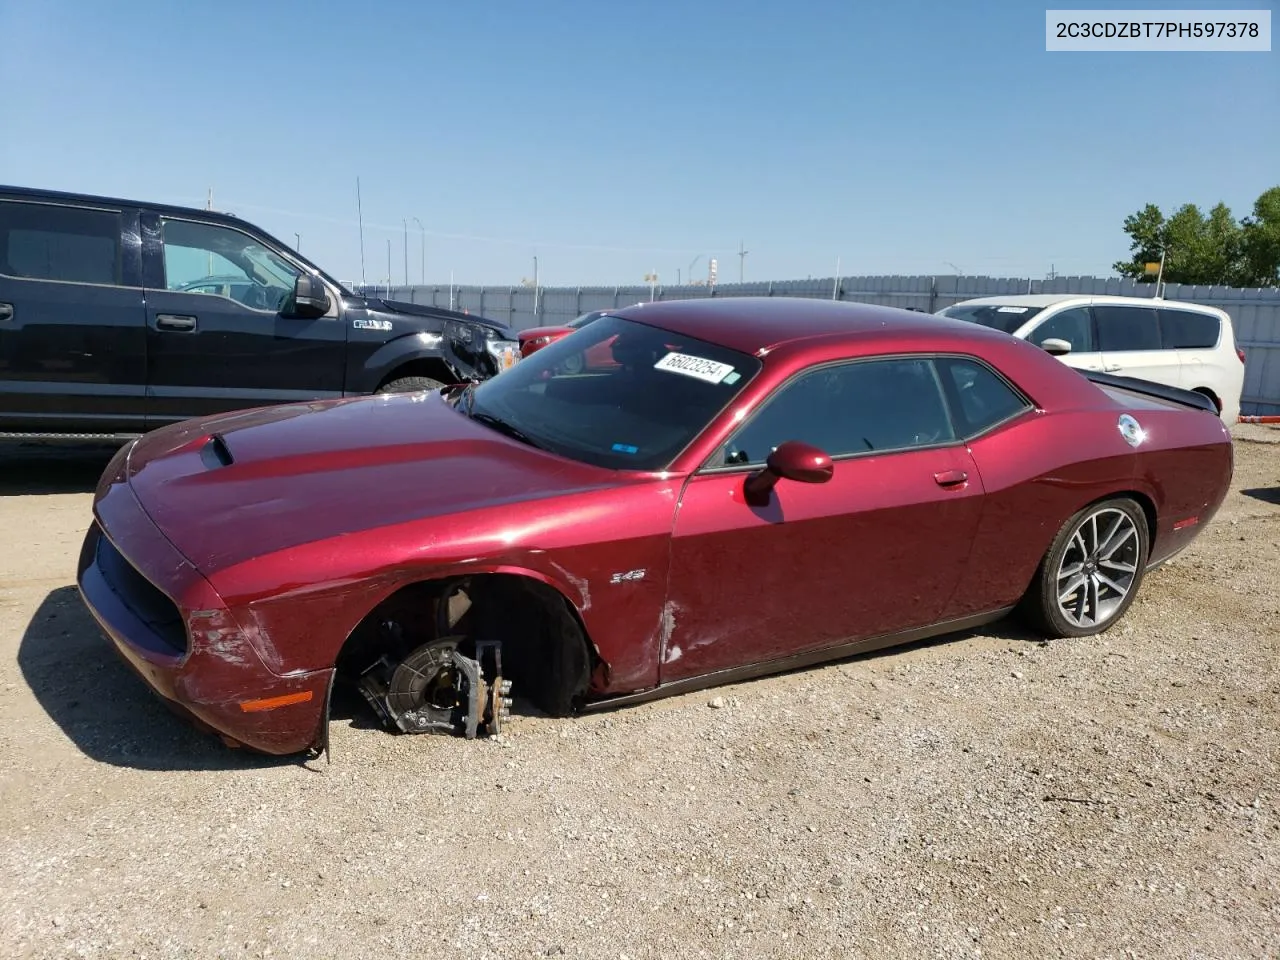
(298, 242)
(406, 250)
(423, 231)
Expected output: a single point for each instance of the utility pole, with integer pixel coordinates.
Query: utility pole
(835, 287)
(423, 231)
(535, 286)
(388, 267)
(406, 250)
(742, 258)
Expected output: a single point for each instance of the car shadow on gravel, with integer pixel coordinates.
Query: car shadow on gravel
(1265, 494)
(32, 469)
(105, 709)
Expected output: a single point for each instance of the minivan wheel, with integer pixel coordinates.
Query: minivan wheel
(1092, 571)
(410, 385)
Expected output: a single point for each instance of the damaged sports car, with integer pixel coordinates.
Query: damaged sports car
(753, 485)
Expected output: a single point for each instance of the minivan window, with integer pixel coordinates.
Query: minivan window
(1073, 326)
(1127, 328)
(1189, 330)
(48, 242)
(1007, 317)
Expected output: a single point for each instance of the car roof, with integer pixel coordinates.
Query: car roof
(754, 325)
(1052, 299)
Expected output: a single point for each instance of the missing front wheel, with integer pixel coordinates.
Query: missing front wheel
(438, 688)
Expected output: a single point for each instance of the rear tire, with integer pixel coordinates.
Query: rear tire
(410, 385)
(1092, 571)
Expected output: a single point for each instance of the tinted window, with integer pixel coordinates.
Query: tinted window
(851, 408)
(1073, 326)
(1189, 330)
(45, 242)
(981, 398)
(650, 395)
(1127, 328)
(1004, 316)
(208, 259)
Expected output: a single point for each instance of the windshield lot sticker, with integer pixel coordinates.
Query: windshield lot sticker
(625, 448)
(1011, 309)
(371, 324)
(697, 367)
(732, 378)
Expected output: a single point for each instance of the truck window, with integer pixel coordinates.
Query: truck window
(207, 259)
(47, 242)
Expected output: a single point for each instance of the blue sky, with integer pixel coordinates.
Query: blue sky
(614, 139)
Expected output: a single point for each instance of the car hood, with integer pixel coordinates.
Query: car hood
(228, 488)
(531, 333)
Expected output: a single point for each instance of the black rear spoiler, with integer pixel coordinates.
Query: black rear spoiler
(1187, 398)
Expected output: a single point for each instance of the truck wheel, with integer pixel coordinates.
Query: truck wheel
(410, 385)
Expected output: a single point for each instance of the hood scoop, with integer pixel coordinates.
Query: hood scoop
(215, 453)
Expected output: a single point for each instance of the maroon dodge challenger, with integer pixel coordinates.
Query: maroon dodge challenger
(752, 486)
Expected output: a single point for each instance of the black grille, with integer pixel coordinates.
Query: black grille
(148, 603)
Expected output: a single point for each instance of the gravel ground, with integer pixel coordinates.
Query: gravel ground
(986, 795)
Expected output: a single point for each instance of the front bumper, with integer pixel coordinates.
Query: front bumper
(171, 628)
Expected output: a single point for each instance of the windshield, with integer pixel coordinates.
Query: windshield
(616, 394)
(583, 320)
(1002, 316)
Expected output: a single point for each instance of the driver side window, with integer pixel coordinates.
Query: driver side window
(858, 407)
(206, 259)
(1074, 326)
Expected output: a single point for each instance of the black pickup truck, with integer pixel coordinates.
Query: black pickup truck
(118, 317)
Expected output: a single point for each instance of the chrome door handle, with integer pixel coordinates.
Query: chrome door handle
(6, 311)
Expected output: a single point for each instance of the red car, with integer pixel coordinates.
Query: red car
(757, 485)
(535, 338)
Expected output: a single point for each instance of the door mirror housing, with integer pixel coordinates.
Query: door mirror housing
(1055, 347)
(792, 460)
(310, 298)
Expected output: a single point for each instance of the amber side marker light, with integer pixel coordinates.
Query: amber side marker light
(270, 703)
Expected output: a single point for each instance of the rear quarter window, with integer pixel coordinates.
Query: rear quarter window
(1189, 330)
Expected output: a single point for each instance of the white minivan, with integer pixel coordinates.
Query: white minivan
(1178, 344)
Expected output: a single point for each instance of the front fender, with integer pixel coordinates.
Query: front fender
(422, 345)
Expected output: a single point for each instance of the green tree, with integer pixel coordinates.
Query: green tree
(1213, 249)
(1260, 240)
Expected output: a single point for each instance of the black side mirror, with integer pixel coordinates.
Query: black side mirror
(792, 460)
(310, 298)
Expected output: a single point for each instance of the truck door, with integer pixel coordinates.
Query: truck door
(216, 340)
(72, 323)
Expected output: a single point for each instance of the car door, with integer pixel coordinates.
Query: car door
(1075, 326)
(72, 326)
(875, 550)
(1129, 337)
(216, 339)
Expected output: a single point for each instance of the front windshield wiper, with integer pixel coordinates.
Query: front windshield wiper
(515, 433)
